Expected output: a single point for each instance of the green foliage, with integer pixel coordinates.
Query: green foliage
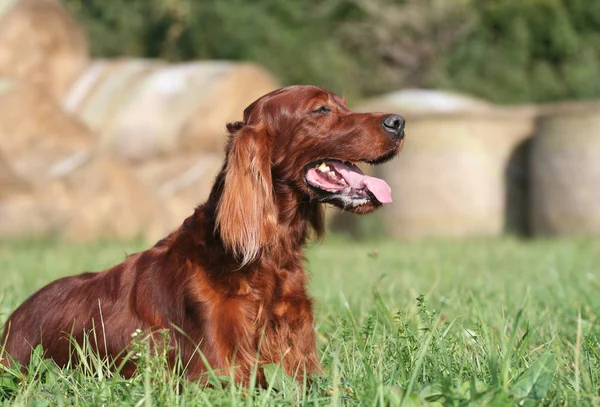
(535, 50)
(293, 39)
(503, 50)
(534, 383)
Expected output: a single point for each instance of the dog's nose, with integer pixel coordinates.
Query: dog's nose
(394, 124)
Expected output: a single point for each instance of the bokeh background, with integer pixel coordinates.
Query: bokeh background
(112, 113)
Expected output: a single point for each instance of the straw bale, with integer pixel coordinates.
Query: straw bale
(40, 43)
(103, 198)
(18, 206)
(224, 101)
(106, 87)
(10, 183)
(411, 101)
(565, 170)
(99, 198)
(181, 182)
(453, 176)
(142, 109)
(35, 133)
(74, 194)
(21, 216)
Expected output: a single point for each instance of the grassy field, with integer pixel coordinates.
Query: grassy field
(491, 322)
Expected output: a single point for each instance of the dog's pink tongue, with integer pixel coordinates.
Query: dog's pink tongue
(379, 188)
(358, 180)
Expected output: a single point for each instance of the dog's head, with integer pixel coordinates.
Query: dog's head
(303, 141)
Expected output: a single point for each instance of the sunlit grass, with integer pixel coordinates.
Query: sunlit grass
(495, 322)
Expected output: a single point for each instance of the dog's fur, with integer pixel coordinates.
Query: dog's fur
(231, 277)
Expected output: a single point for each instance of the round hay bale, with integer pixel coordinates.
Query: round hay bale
(21, 216)
(142, 109)
(103, 198)
(452, 177)
(75, 194)
(100, 198)
(101, 92)
(35, 134)
(411, 101)
(41, 44)
(565, 171)
(181, 182)
(224, 101)
(18, 205)
(10, 183)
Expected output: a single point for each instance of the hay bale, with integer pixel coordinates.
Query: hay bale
(35, 134)
(451, 178)
(10, 183)
(142, 109)
(74, 194)
(103, 198)
(409, 102)
(224, 101)
(413, 101)
(181, 182)
(18, 204)
(101, 92)
(41, 44)
(21, 216)
(100, 198)
(565, 170)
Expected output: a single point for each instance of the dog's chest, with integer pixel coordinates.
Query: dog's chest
(263, 313)
(276, 300)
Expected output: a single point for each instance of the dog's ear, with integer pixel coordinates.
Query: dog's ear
(246, 213)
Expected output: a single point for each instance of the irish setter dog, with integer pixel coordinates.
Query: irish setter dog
(229, 283)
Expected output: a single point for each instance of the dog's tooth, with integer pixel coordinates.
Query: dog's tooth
(323, 167)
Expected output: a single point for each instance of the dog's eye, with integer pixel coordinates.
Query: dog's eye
(322, 110)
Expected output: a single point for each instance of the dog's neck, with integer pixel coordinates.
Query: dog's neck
(298, 219)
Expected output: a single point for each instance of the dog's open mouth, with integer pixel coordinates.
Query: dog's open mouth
(346, 182)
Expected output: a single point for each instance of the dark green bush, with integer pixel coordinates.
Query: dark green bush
(504, 50)
(535, 50)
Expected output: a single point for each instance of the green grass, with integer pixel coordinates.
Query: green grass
(490, 322)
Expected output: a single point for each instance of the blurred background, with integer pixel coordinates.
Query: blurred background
(112, 113)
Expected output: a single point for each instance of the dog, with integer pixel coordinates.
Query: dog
(229, 284)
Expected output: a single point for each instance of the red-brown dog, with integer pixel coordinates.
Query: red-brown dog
(231, 277)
